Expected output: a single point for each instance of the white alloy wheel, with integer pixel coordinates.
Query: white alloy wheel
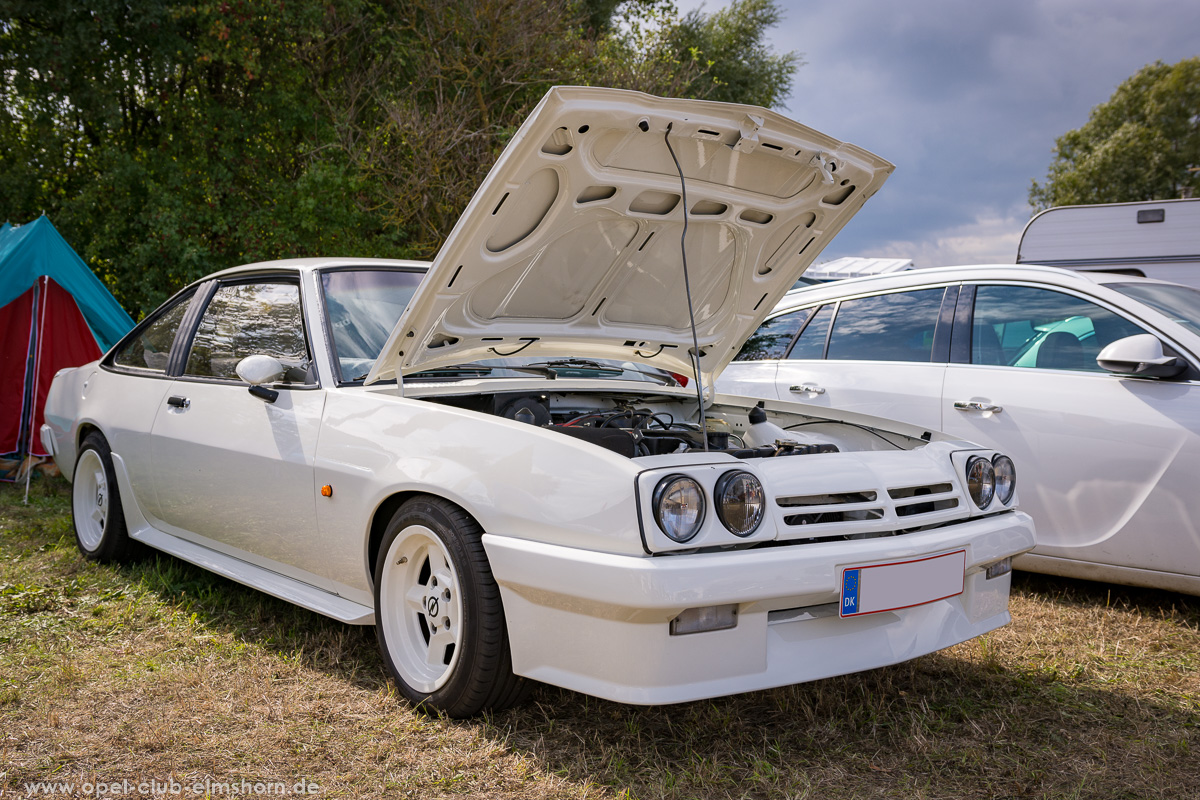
(90, 500)
(422, 608)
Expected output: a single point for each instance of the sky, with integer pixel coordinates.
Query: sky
(966, 98)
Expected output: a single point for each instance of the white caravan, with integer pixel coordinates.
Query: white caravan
(1158, 239)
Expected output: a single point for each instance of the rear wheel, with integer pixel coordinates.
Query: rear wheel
(438, 613)
(96, 509)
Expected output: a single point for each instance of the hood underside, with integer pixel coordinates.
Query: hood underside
(571, 246)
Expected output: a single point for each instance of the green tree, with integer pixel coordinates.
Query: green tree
(1142, 144)
(171, 138)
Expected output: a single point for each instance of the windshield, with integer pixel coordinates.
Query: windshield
(364, 305)
(1180, 303)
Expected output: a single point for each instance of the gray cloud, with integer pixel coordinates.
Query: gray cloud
(966, 98)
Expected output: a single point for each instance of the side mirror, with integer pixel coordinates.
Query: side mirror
(257, 370)
(1142, 356)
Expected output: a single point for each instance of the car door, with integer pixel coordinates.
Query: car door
(234, 470)
(752, 371)
(883, 354)
(137, 387)
(1106, 463)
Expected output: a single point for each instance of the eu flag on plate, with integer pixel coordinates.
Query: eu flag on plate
(850, 581)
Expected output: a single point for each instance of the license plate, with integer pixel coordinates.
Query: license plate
(874, 588)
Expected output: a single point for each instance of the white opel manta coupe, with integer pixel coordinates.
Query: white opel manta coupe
(514, 465)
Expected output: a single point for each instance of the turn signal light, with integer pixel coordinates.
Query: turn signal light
(327, 491)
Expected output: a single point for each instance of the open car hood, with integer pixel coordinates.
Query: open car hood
(571, 246)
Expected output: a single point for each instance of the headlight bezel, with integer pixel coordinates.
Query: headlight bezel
(720, 492)
(1004, 497)
(986, 480)
(661, 491)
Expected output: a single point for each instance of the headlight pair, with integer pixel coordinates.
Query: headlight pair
(679, 504)
(987, 479)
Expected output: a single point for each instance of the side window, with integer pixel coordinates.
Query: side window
(772, 338)
(248, 319)
(887, 327)
(811, 344)
(1021, 326)
(150, 349)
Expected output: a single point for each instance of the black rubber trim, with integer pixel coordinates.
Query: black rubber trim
(960, 339)
(942, 334)
(187, 328)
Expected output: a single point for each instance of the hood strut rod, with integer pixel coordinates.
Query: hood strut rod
(687, 288)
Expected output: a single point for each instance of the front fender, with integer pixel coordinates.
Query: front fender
(515, 479)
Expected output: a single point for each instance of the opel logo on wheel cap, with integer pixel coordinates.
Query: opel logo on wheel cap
(431, 607)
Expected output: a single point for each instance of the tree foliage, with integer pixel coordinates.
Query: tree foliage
(1142, 144)
(170, 138)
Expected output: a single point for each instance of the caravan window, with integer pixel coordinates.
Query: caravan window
(150, 349)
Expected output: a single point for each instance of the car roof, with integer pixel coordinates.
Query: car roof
(1057, 276)
(306, 265)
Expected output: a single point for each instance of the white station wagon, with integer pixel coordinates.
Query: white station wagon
(503, 464)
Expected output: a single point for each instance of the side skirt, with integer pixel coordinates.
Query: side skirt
(272, 583)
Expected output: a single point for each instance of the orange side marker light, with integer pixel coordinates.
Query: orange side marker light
(327, 491)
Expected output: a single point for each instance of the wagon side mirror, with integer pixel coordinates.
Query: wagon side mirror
(1141, 356)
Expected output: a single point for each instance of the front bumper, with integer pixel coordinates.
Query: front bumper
(599, 623)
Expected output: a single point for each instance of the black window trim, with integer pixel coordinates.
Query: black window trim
(109, 362)
(322, 307)
(242, 279)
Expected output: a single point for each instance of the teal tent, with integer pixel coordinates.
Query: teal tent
(28, 252)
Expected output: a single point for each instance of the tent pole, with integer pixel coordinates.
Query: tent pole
(37, 364)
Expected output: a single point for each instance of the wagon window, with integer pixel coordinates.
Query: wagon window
(811, 342)
(887, 327)
(1022, 326)
(772, 338)
(249, 319)
(150, 348)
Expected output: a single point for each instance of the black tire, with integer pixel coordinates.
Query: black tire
(96, 511)
(450, 655)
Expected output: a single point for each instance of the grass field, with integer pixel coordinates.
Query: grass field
(160, 671)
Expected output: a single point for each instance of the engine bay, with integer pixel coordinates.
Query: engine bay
(647, 425)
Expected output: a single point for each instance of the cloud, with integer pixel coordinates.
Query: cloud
(990, 238)
(966, 99)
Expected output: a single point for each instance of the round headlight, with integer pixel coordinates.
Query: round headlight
(679, 507)
(1006, 477)
(740, 502)
(981, 481)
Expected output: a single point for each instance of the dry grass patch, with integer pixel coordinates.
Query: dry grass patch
(161, 670)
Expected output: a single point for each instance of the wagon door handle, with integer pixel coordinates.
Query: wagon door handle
(176, 401)
(810, 388)
(975, 405)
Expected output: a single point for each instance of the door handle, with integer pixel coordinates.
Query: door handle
(975, 405)
(176, 401)
(810, 388)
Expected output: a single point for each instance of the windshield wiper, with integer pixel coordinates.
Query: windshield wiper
(606, 369)
(460, 370)
(579, 363)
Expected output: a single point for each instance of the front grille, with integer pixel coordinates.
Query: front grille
(867, 513)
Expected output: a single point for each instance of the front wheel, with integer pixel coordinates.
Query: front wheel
(96, 510)
(438, 614)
